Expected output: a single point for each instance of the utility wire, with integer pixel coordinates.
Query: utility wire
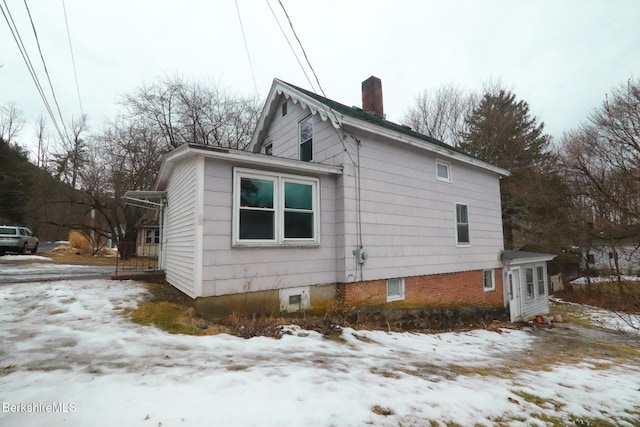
(25, 56)
(341, 138)
(291, 46)
(46, 71)
(246, 48)
(73, 61)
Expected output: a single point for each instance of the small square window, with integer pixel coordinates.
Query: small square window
(395, 289)
(489, 280)
(295, 299)
(268, 149)
(443, 171)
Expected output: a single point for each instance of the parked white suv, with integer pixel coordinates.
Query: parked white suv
(17, 239)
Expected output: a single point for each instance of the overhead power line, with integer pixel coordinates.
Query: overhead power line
(246, 48)
(73, 61)
(27, 60)
(46, 71)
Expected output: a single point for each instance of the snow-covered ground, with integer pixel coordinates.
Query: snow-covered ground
(66, 344)
(604, 279)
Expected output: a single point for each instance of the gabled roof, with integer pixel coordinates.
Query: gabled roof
(340, 114)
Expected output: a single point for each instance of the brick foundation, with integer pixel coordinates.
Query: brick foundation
(450, 289)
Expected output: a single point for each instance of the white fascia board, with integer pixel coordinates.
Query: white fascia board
(279, 87)
(532, 260)
(425, 145)
(241, 158)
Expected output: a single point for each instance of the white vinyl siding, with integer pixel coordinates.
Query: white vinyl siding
(284, 133)
(408, 217)
(229, 269)
(180, 247)
(537, 304)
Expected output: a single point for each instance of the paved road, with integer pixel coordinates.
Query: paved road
(15, 271)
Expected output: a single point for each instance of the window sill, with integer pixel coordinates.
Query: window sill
(275, 245)
(395, 298)
(463, 245)
(489, 289)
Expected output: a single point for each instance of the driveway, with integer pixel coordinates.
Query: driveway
(19, 269)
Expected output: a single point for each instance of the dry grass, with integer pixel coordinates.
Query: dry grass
(174, 318)
(615, 296)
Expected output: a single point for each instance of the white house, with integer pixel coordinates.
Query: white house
(332, 202)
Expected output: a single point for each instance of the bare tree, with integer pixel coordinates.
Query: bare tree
(192, 112)
(602, 159)
(71, 159)
(11, 122)
(43, 142)
(441, 114)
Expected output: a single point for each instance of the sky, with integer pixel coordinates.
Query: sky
(69, 344)
(562, 57)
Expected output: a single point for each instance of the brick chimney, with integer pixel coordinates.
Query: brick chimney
(372, 96)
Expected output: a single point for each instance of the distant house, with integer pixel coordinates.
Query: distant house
(333, 202)
(611, 257)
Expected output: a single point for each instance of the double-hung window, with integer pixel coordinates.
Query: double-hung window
(305, 139)
(540, 281)
(152, 236)
(489, 279)
(528, 275)
(274, 208)
(462, 225)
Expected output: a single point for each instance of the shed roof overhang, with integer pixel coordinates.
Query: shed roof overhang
(510, 257)
(146, 199)
(238, 157)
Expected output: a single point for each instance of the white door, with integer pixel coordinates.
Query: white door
(513, 287)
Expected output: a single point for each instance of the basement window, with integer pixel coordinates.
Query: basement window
(489, 280)
(395, 289)
(295, 299)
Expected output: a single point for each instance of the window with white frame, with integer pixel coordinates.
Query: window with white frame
(275, 208)
(284, 108)
(305, 139)
(528, 277)
(443, 171)
(462, 225)
(489, 280)
(268, 148)
(395, 289)
(540, 281)
(152, 236)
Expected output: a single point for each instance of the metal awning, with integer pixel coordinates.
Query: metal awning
(147, 199)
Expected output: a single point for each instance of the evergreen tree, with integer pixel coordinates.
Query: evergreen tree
(502, 131)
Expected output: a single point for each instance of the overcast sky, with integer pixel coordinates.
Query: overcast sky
(562, 57)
